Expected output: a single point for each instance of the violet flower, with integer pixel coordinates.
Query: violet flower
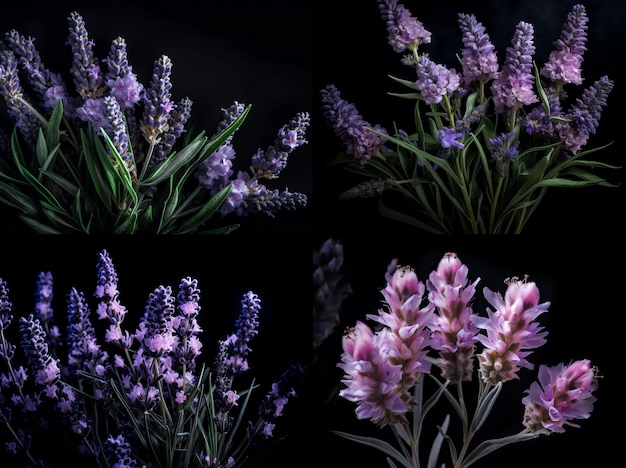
(85, 68)
(449, 137)
(564, 64)
(513, 88)
(478, 57)
(511, 330)
(405, 32)
(584, 115)
(350, 127)
(157, 101)
(563, 394)
(435, 81)
(120, 78)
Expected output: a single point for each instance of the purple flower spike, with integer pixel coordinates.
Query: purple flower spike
(404, 31)
(435, 81)
(585, 115)
(157, 100)
(85, 67)
(513, 88)
(6, 317)
(478, 56)
(563, 394)
(120, 78)
(33, 341)
(350, 127)
(238, 344)
(564, 63)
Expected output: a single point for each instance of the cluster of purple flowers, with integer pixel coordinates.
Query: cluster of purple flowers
(434, 322)
(144, 123)
(105, 396)
(514, 90)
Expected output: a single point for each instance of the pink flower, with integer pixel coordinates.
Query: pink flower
(511, 330)
(563, 393)
(454, 333)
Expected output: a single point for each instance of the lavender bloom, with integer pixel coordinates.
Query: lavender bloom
(563, 394)
(564, 63)
(177, 119)
(274, 402)
(215, 171)
(330, 289)
(478, 56)
(35, 346)
(404, 31)
(83, 349)
(260, 199)
(247, 324)
(513, 87)
(120, 79)
(157, 102)
(85, 68)
(511, 330)
(584, 115)
(503, 148)
(371, 379)
(117, 126)
(435, 81)
(449, 137)
(537, 121)
(6, 317)
(185, 325)
(454, 333)
(94, 111)
(268, 164)
(350, 127)
(11, 90)
(155, 327)
(118, 452)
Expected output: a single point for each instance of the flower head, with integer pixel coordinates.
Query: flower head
(405, 32)
(478, 56)
(564, 393)
(434, 81)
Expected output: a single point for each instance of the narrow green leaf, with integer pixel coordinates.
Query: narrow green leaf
(435, 449)
(482, 412)
(206, 212)
(491, 445)
(16, 199)
(104, 183)
(38, 226)
(41, 149)
(53, 135)
(378, 444)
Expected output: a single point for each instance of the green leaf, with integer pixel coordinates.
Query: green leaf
(482, 412)
(53, 135)
(205, 213)
(433, 456)
(188, 154)
(120, 167)
(38, 226)
(16, 199)
(102, 178)
(489, 446)
(379, 445)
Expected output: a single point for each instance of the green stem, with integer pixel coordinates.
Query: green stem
(494, 204)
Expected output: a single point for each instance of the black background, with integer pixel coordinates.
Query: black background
(258, 54)
(352, 53)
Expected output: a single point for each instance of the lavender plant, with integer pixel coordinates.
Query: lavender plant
(432, 325)
(108, 154)
(135, 398)
(489, 140)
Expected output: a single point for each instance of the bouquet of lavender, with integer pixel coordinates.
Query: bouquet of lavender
(139, 398)
(488, 141)
(422, 326)
(115, 156)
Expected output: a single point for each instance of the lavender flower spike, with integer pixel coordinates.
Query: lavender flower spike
(478, 57)
(120, 78)
(85, 67)
(268, 164)
(584, 115)
(157, 100)
(513, 88)
(350, 127)
(511, 330)
(435, 81)
(563, 393)
(35, 346)
(564, 64)
(404, 31)
(238, 344)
